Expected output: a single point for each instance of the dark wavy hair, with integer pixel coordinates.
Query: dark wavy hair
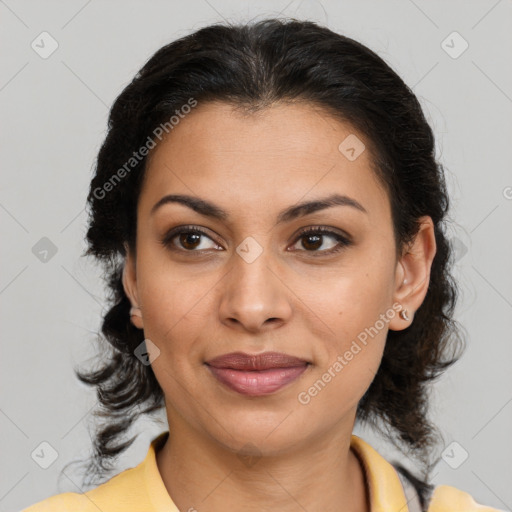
(252, 66)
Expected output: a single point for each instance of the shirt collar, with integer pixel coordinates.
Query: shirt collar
(157, 491)
(384, 486)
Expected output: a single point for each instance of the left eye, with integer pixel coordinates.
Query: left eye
(313, 239)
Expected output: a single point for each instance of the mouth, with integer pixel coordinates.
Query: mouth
(256, 375)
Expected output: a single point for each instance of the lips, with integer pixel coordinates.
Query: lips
(264, 361)
(256, 375)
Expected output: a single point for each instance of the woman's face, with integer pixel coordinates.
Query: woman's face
(252, 283)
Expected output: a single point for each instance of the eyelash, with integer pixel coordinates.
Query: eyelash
(343, 241)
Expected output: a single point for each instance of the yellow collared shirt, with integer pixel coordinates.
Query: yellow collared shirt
(141, 489)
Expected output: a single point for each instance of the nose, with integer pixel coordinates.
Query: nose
(255, 297)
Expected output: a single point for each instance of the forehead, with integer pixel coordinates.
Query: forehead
(277, 156)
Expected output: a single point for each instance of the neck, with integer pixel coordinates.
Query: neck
(322, 474)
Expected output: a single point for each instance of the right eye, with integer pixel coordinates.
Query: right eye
(187, 239)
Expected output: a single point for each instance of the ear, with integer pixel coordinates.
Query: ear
(412, 275)
(130, 287)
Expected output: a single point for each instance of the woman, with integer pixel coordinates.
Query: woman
(270, 214)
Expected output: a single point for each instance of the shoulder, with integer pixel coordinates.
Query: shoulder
(69, 501)
(119, 493)
(137, 488)
(450, 499)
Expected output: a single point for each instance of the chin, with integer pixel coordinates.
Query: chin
(266, 436)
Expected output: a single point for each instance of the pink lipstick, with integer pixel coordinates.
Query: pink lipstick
(256, 375)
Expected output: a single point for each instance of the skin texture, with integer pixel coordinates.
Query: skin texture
(198, 305)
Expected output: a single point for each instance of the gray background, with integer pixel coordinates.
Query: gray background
(54, 113)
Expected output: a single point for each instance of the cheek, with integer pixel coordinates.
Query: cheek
(353, 302)
(357, 309)
(174, 309)
(347, 369)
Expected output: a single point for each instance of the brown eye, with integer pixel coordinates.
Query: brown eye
(188, 239)
(313, 239)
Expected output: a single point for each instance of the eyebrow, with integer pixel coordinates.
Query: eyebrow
(208, 209)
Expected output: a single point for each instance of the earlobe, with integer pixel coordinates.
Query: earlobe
(130, 288)
(413, 274)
